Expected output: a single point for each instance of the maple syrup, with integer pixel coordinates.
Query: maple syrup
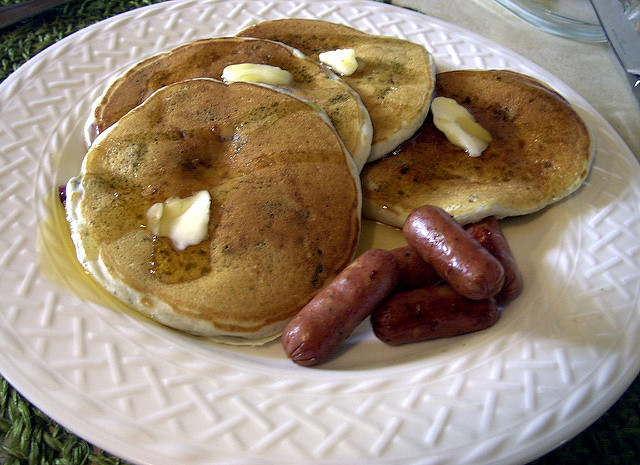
(57, 260)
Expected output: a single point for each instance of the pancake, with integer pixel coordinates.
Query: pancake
(395, 77)
(284, 216)
(209, 57)
(540, 153)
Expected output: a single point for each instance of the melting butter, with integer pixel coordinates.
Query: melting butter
(184, 221)
(343, 61)
(258, 73)
(459, 126)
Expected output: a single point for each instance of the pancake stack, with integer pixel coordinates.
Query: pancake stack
(209, 58)
(279, 163)
(287, 167)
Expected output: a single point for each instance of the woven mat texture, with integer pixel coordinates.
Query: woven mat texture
(27, 436)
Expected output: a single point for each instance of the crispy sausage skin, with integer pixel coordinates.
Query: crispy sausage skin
(413, 271)
(430, 313)
(489, 234)
(340, 307)
(456, 256)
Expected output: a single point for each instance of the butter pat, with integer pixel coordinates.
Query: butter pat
(459, 126)
(184, 221)
(253, 72)
(343, 61)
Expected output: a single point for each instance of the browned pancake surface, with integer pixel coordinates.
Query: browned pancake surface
(395, 77)
(209, 57)
(541, 152)
(284, 214)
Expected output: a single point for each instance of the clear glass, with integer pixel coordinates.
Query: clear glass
(574, 19)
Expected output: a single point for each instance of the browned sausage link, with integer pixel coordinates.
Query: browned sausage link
(430, 313)
(413, 271)
(489, 233)
(461, 261)
(338, 308)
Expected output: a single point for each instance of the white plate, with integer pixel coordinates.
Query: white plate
(559, 357)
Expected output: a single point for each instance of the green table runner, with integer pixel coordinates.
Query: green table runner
(29, 436)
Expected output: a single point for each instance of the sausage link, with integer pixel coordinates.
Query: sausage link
(456, 256)
(430, 313)
(333, 314)
(489, 234)
(413, 271)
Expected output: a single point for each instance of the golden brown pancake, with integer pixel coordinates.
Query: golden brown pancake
(209, 57)
(541, 152)
(285, 211)
(395, 77)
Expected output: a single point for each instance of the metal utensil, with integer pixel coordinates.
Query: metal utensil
(625, 39)
(11, 14)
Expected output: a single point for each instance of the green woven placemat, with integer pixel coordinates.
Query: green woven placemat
(27, 436)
